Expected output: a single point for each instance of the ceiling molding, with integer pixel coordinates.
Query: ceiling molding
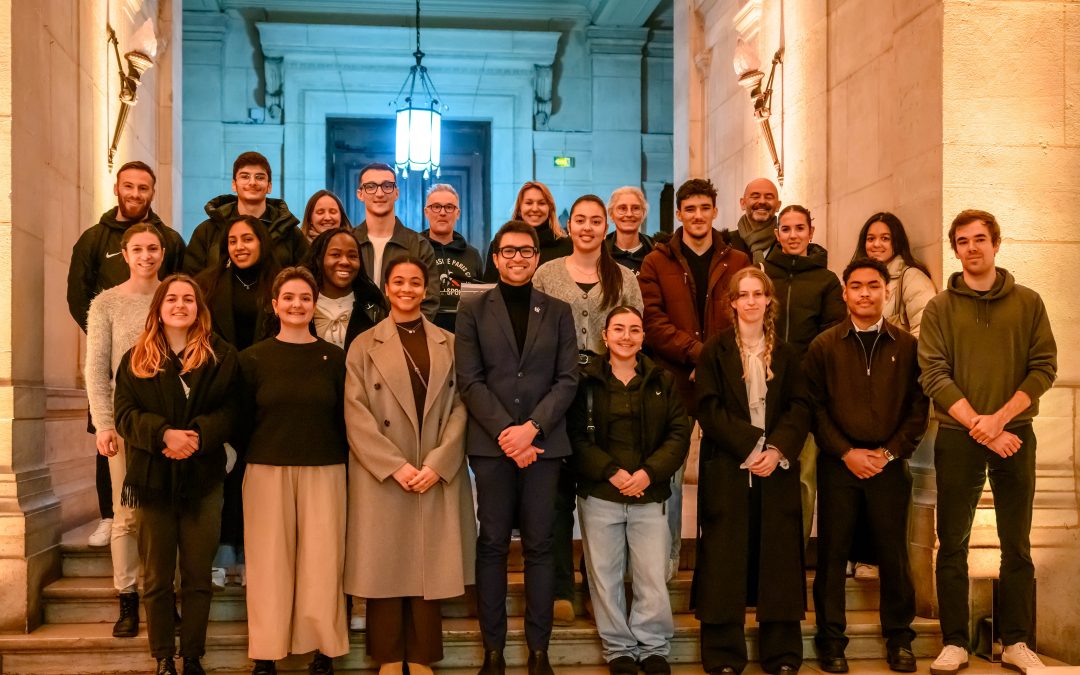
(537, 10)
(623, 12)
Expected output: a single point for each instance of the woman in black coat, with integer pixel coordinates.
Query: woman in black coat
(174, 407)
(755, 416)
(238, 294)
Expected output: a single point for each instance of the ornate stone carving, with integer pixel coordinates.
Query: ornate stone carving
(272, 72)
(542, 87)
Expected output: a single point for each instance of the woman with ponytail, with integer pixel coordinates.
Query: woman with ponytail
(174, 407)
(754, 412)
(592, 283)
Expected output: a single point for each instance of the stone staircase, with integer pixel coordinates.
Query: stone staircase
(79, 609)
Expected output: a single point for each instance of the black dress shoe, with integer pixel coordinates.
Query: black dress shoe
(321, 664)
(726, 670)
(539, 664)
(788, 670)
(622, 665)
(165, 667)
(264, 667)
(192, 666)
(833, 662)
(493, 663)
(902, 660)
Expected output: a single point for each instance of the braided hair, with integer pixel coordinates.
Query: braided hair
(769, 320)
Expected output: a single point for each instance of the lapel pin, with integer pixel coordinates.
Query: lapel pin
(536, 309)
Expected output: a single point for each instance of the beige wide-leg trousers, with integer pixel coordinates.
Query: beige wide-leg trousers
(294, 543)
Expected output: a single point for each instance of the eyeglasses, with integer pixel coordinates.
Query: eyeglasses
(252, 178)
(509, 252)
(628, 208)
(448, 209)
(387, 187)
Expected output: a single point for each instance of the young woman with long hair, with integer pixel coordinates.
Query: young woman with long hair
(411, 531)
(238, 293)
(535, 205)
(349, 302)
(294, 486)
(174, 407)
(591, 282)
(630, 435)
(116, 318)
(883, 238)
(324, 211)
(754, 412)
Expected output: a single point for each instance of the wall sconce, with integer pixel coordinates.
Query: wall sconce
(139, 60)
(748, 68)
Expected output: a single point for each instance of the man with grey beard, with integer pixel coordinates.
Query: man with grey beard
(755, 233)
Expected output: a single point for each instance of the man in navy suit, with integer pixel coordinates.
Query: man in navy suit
(516, 360)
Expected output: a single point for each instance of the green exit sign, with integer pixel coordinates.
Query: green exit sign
(564, 162)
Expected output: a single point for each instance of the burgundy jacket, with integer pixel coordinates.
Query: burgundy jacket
(674, 333)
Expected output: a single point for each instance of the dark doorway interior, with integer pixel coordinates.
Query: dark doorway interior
(466, 148)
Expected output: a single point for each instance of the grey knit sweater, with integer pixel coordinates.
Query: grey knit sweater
(554, 279)
(115, 322)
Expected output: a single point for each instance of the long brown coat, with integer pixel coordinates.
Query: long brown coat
(403, 543)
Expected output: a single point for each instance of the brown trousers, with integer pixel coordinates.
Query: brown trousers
(404, 629)
(294, 519)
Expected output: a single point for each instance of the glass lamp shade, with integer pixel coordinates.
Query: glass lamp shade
(419, 138)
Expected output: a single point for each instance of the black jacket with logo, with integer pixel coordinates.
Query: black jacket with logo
(97, 263)
(631, 260)
(458, 263)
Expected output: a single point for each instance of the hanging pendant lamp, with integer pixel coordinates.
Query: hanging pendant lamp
(419, 118)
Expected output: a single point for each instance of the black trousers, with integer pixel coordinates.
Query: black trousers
(404, 630)
(232, 511)
(884, 499)
(562, 545)
(503, 491)
(724, 644)
(193, 532)
(962, 466)
(103, 484)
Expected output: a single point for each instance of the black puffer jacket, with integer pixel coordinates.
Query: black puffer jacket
(665, 434)
(810, 295)
(96, 262)
(290, 245)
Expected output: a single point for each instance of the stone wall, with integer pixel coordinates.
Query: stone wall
(922, 108)
(58, 105)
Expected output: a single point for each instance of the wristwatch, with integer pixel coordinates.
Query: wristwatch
(536, 424)
(888, 455)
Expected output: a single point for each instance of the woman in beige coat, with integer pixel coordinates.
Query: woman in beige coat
(411, 531)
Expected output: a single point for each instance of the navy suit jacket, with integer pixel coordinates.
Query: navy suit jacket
(502, 387)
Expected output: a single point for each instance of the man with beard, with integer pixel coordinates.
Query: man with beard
(97, 264)
(252, 182)
(754, 233)
(383, 237)
(458, 263)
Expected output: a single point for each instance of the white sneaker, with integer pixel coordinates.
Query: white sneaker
(950, 660)
(102, 535)
(357, 623)
(217, 578)
(865, 571)
(1019, 657)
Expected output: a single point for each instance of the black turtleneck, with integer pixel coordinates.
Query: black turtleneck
(517, 299)
(245, 302)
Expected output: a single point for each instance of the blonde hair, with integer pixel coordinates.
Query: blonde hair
(769, 320)
(151, 349)
(553, 217)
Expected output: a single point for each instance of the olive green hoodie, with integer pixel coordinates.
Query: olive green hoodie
(986, 348)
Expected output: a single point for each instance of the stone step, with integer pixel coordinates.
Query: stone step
(93, 599)
(62, 649)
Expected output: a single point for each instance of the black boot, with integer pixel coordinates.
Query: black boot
(165, 666)
(539, 664)
(321, 664)
(128, 623)
(493, 663)
(264, 667)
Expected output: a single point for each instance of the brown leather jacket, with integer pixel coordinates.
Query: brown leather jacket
(674, 333)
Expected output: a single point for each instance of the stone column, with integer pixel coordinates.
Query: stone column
(616, 105)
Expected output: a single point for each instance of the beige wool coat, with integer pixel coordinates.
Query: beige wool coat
(398, 543)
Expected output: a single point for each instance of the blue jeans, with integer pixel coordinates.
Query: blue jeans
(608, 531)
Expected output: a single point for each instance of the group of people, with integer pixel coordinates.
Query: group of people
(310, 408)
